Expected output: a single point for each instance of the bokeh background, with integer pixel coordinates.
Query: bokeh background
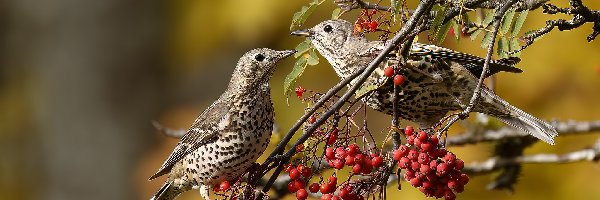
(80, 81)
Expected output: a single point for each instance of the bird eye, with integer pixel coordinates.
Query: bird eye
(259, 57)
(328, 28)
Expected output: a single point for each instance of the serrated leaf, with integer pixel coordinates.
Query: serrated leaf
(489, 16)
(438, 18)
(457, 31)
(475, 33)
(502, 47)
(336, 13)
(443, 32)
(486, 40)
(514, 45)
(300, 17)
(312, 58)
(519, 22)
(507, 20)
(292, 77)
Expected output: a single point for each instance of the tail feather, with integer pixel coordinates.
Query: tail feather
(166, 192)
(523, 121)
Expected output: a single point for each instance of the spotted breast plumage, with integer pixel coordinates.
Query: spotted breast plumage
(438, 79)
(228, 137)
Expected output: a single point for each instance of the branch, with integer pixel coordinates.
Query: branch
(570, 127)
(581, 15)
(520, 5)
(493, 164)
(347, 5)
(176, 133)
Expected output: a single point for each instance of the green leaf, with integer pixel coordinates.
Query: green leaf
(396, 7)
(292, 77)
(489, 16)
(300, 17)
(519, 23)
(514, 45)
(502, 47)
(365, 89)
(312, 58)
(443, 32)
(303, 47)
(457, 31)
(438, 18)
(486, 40)
(475, 33)
(336, 13)
(507, 20)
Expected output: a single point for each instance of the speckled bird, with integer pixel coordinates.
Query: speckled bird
(228, 137)
(438, 80)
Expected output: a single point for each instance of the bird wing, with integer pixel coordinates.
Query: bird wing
(471, 62)
(205, 129)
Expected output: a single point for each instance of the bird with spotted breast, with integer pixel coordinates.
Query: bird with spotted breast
(228, 137)
(438, 80)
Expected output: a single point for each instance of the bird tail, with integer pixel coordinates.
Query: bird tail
(523, 121)
(166, 192)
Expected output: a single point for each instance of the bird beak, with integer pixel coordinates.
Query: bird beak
(304, 33)
(286, 53)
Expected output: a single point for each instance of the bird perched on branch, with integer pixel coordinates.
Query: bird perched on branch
(437, 80)
(228, 137)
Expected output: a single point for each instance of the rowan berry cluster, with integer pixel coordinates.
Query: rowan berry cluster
(435, 171)
(366, 21)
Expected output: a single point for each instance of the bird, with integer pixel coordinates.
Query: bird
(437, 80)
(227, 137)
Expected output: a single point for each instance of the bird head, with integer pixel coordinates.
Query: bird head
(328, 35)
(257, 65)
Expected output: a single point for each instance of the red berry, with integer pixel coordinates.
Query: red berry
(460, 164)
(417, 142)
(411, 140)
(459, 188)
(340, 153)
(335, 198)
(299, 91)
(434, 140)
(449, 195)
(399, 79)
(442, 168)
(450, 159)
(426, 184)
(409, 130)
(376, 161)
(404, 150)
(357, 169)
(425, 169)
(338, 164)
(373, 25)
(409, 174)
(397, 154)
(412, 154)
(299, 147)
(289, 167)
(306, 172)
(314, 188)
(299, 184)
(452, 184)
(359, 158)
(388, 71)
(352, 149)
(415, 166)
(464, 179)
(422, 136)
(312, 119)
(325, 189)
(349, 160)
(403, 163)
(292, 187)
(332, 136)
(301, 194)
(326, 197)
(433, 164)
(427, 147)
(294, 174)
(332, 181)
(415, 182)
(224, 186)
(344, 192)
(329, 153)
(367, 167)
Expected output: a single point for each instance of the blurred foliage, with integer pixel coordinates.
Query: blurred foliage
(204, 39)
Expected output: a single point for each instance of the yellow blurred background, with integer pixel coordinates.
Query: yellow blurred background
(80, 82)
